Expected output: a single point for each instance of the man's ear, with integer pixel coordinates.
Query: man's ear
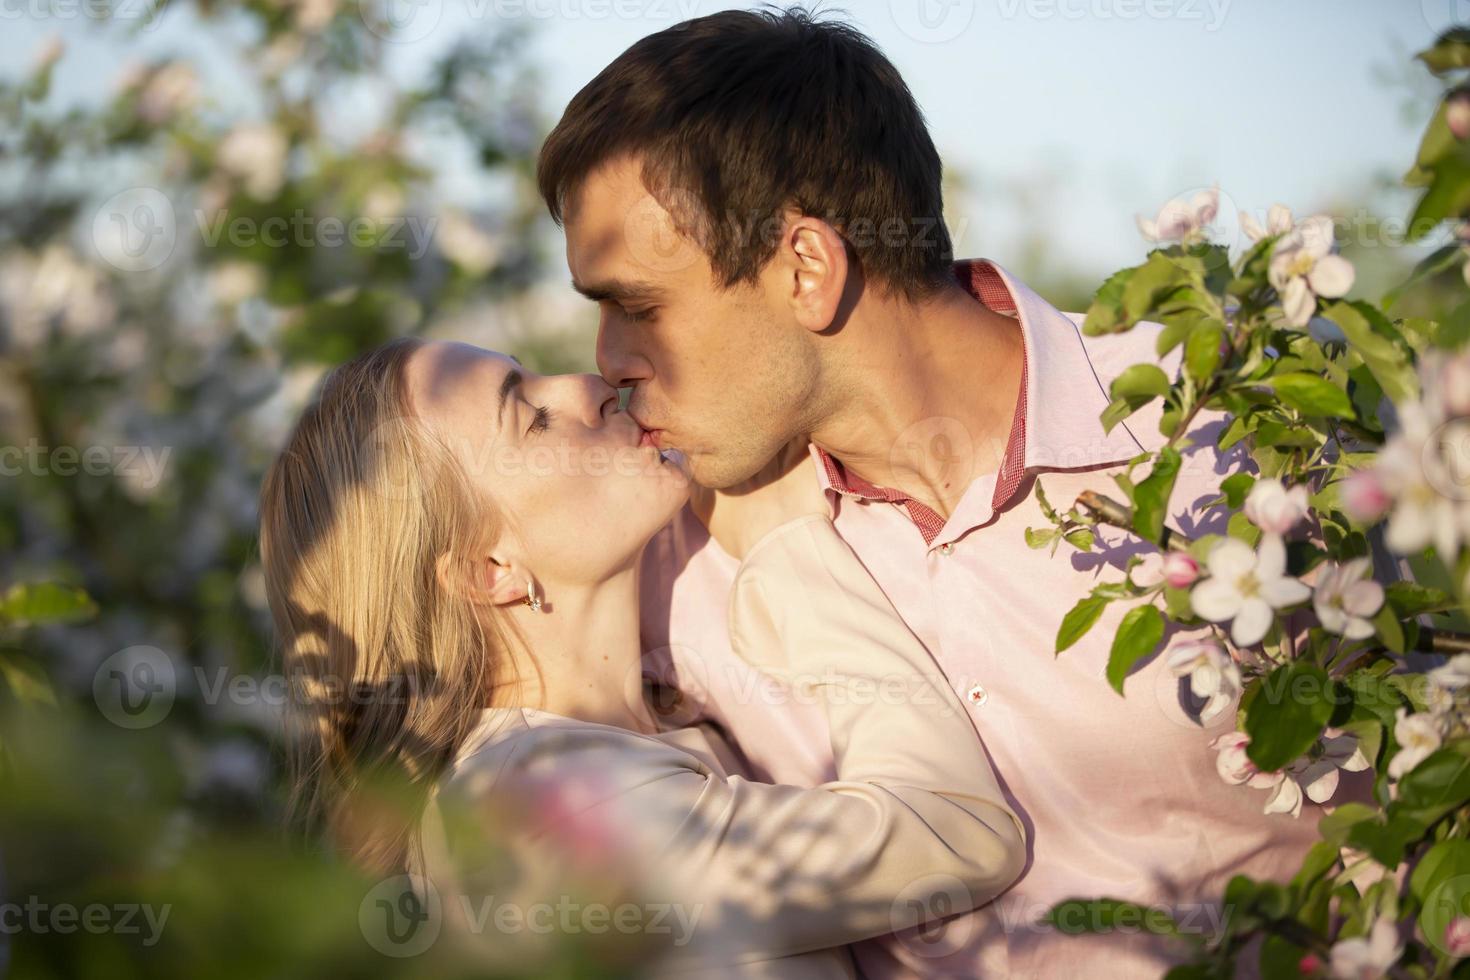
(817, 260)
(481, 579)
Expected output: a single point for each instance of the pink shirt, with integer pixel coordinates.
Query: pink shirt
(1120, 794)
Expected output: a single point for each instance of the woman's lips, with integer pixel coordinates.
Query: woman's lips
(649, 438)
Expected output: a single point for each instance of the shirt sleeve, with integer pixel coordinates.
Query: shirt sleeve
(916, 808)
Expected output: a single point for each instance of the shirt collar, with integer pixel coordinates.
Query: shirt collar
(1056, 426)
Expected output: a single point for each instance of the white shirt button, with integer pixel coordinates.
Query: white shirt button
(977, 695)
(946, 549)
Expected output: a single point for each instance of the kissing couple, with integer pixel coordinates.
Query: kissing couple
(766, 638)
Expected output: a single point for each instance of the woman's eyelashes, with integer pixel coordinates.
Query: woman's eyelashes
(542, 421)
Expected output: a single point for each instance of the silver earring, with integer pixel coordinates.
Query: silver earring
(532, 599)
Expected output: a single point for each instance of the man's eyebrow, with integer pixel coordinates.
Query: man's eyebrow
(507, 385)
(617, 289)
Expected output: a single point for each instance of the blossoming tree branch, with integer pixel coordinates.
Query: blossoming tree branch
(1322, 608)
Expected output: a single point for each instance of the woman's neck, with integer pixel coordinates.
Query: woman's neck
(584, 656)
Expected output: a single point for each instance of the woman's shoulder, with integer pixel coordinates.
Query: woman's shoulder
(513, 749)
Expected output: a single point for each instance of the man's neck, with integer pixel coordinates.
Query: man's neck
(923, 395)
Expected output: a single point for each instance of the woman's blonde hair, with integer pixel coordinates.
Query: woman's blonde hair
(388, 667)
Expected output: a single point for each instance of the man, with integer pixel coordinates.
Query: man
(754, 202)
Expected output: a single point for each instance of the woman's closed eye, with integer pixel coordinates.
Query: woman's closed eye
(542, 421)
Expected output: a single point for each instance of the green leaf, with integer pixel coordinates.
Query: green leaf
(27, 681)
(45, 602)
(1448, 196)
(1151, 497)
(1138, 636)
(1119, 410)
(1288, 715)
(1281, 959)
(1334, 826)
(1080, 916)
(1079, 620)
(1440, 782)
(1240, 527)
(1150, 283)
(1202, 351)
(1451, 50)
(1140, 380)
(1235, 488)
(1390, 631)
(1040, 538)
(1441, 883)
(1370, 334)
(1105, 315)
(1311, 394)
(1387, 840)
(1082, 539)
(1320, 859)
(1412, 599)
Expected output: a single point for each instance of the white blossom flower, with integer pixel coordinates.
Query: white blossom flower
(256, 154)
(1316, 779)
(1247, 586)
(171, 89)
(1319, 777)
(1275, 509)
(1212, 674)
(1178, 569)
(1303, 268)
(234, 281)
(1278, 222)
(1418, 737)
(1310, 778)
(1235, 767)
(1415, 474)
(1364, 496)
(464, 244)
(1345, 599)
(1367, 957)
(1182, 221)
(1453, 675)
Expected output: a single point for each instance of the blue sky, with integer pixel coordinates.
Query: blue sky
(1064, 118)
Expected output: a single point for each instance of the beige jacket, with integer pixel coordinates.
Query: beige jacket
(766, 880)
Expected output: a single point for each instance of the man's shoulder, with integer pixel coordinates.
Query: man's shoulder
(1113, 353)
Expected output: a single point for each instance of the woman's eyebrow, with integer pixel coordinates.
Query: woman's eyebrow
(508, 384)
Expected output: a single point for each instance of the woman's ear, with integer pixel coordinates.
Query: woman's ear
(481, 579)
(818, 267)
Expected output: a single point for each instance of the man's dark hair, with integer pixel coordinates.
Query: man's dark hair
(741, 114)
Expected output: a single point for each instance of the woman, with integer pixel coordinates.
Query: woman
(450, 546)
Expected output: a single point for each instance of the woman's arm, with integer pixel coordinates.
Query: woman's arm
(915, 809)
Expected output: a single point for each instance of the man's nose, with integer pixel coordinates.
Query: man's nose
(622, 366)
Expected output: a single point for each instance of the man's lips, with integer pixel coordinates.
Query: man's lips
(649, 437)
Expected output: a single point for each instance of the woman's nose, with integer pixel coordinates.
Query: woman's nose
(596, 399)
